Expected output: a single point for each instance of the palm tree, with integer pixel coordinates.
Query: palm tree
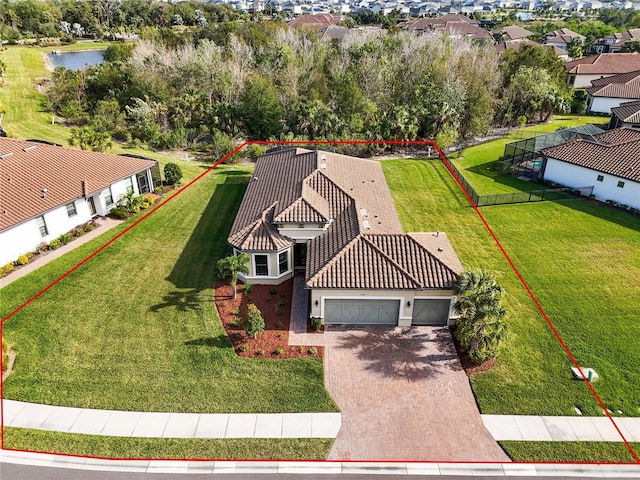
(481, 327)
(231, 266)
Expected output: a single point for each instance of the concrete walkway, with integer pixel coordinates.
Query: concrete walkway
(561, 429)
(104, 224)
(170, 425)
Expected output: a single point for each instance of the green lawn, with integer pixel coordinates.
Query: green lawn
(136, 327)
(125, 447)
(478, 163)
(569, 451)
(580, 259)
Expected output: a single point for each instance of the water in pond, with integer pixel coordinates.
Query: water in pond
(76, 60)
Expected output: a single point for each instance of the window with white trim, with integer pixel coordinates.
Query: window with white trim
(621, 184)
(261, 265)
(128, 183)
(108, 197)
(42, 226)
(283, 262)
(71, 209)
(600, 178)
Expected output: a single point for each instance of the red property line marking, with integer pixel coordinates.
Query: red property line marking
(340, 142)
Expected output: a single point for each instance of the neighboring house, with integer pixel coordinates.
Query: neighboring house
(607, 93)
(626, 115)
(562, 38)
(581, 72)
(610, 163)
(47, 190)
(512, 33)
(453, 25)
(332, 219)
(319, 21)
(516, 44)
(613, 43)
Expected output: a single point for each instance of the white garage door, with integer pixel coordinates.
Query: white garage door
(361, 311)
(430, 312)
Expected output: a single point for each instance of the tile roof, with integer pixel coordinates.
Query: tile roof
(26, 168)
(363, 246)
(624, 85)
(319, 21)
(616, 152)
(604, 64)
(514, 32)
(628, 112)
(450, 24)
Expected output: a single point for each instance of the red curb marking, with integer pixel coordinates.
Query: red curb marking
(327, 142)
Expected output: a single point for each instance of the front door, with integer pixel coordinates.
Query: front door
(143, 182)
(92, 206)
(300, 255)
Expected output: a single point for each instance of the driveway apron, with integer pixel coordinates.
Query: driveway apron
(403, 396)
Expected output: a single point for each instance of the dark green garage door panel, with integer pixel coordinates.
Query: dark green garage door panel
(362, 311)
(430, 312)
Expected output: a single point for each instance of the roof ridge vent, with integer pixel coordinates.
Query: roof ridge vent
(6, 155)
(366, 224)
(29, 148)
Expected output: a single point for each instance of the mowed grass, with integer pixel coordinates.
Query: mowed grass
(572, 452)
(193, 448)
(136, 328)
(580, 260)
(479, 163)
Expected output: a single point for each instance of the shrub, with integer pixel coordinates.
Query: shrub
(313, 351)
(89, 227)
(235, 311)
(22, 260)
(280, 312)
(316, 323)
(273, 291)
(172, 173)
(65, 238)
(42, 247)
(7, 269)
(260, 352)
(55, 243)
(255, 151)
(159, 189)
(243, 347)
(119, 212)
(279, 351)
(278, 324)
(281, 302)
(254, 325)
(236, 322)
(247, 288)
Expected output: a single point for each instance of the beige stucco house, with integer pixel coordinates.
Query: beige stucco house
(331, 218)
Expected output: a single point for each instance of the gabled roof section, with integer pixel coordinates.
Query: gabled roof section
(624, 85)
(621, 159)
(604, 64)
(26, 168)
(514, 32)
(260, 235)
(628, 112)
(388, 261)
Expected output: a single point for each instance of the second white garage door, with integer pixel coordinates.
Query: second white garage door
(361, 311)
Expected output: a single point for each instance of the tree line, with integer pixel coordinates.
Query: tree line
(266, 81)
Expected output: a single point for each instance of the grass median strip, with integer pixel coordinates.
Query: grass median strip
(192, 448)
(570, 452)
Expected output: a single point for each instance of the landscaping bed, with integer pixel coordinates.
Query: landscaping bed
(275, 304)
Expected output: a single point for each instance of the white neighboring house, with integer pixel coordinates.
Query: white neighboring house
(581, 72)
(332, 219)
(610, 164)
(48, 190)
(607, 93)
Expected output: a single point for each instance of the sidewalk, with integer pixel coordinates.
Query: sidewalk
(264, 468)
(104, 224)
(170, 425)
(299, 315)
(561, 429)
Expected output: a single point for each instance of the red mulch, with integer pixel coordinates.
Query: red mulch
(470, 367)
(276, 311)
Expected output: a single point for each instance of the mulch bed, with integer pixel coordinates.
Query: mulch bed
(470, 367)
(274, 301)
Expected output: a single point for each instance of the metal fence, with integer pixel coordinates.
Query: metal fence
(507, 198)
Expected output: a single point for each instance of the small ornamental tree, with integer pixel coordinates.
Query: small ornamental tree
(254, 324)
(231, 266)
(172, 173)
(481, 328)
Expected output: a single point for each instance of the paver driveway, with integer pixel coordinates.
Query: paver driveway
(403, 396)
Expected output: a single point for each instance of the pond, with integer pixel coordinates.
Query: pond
(76, 60)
